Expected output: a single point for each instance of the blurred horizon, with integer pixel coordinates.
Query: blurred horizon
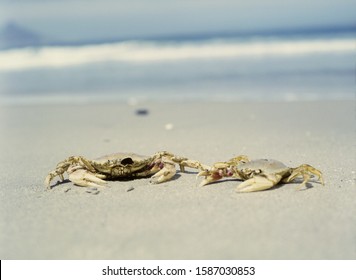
(95, 21)
(13, 35)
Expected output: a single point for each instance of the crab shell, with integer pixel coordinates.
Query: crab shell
(263, 166)
(124, 165)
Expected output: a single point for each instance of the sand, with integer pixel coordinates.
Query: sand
(177, 220)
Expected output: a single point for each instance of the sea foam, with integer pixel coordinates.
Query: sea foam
(151, 52)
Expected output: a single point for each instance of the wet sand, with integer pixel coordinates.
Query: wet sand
(177, 219)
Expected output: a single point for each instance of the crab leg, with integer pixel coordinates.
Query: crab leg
(306, 171)
(51, 175)
(191, 164)
(221, 170)
(210, 177)
(65, 166)
(183, 161)
(60, 169)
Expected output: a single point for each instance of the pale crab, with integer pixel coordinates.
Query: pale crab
(93, 173)
(258, 175)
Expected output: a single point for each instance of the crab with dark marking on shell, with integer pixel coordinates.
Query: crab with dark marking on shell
(93, 173)
(258, 175)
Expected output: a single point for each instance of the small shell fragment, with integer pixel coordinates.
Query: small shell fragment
(168, 126)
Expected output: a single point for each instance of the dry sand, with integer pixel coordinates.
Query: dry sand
(177, 220)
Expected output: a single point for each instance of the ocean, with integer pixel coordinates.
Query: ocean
(292, 66)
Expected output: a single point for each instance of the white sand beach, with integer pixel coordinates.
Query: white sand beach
(177, 219)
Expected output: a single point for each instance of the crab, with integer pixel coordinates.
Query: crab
(93, 173)
(258, 175)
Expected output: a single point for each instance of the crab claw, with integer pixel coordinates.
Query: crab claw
(210, 176)
(85, 178)
(165, 174)
(258, 183)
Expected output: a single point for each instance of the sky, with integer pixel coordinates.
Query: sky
(75, 20)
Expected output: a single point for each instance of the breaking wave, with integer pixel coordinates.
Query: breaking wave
(151, 52)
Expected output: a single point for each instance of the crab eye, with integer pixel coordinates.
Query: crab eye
(127, 161)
